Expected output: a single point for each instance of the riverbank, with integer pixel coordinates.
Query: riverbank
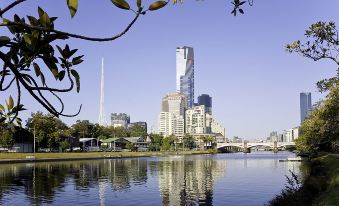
(6, 158)
(320, 188)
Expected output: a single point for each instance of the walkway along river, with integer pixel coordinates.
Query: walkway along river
(221, 179)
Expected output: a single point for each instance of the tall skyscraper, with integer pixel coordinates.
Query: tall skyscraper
(185, 73)
(305, 105)
(206, 100)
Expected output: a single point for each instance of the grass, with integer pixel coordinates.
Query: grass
(17, 156)
(331, 195)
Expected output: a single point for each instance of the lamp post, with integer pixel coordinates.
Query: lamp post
(34, 139)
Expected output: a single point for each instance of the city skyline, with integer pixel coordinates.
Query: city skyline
(246, 71)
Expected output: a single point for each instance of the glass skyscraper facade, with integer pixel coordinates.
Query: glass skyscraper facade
(206, 100)
(305, 105)
(185, 73)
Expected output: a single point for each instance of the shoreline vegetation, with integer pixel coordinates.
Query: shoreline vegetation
(6, 158)
(319, 188)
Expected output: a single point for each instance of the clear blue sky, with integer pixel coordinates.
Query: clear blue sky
(240, 61)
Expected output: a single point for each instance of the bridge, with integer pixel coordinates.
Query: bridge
(246, 146)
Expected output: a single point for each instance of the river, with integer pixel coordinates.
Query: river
(223, 179)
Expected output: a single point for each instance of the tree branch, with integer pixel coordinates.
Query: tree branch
(2, 11)
(76, 36)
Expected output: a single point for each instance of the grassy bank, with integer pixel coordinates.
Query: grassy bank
(320, 188)
(23, 156)
(330, 196)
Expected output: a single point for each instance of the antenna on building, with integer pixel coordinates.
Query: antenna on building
(102, 117)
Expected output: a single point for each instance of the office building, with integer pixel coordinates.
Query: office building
(120, 120)
(206, 100)
(175, 103)
(305, 105)
(185, 73)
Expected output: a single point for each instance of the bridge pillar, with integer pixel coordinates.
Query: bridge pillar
(245, 149)
(275, 147)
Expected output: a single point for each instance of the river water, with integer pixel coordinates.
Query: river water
(223, 179)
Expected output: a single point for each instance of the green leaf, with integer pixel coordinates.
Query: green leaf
(40, 11)
(77, 79)
(61, 75)
(241, 11)
(4, 39)
(2, 107)
(10, 103)
(157, 5)
(72, 6)
(139, 3)
(37, 69)
(27, 39)
(122, 4)
(52, 66)
(77, 60)
(45, 21)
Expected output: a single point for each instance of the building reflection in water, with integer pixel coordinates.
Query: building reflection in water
(189, 181)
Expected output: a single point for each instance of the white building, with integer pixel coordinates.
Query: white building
(212, 126)
(166, 123)
(196, 120)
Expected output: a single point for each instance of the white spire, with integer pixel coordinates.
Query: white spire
(102, 117)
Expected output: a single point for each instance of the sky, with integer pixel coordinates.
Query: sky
(240, 61)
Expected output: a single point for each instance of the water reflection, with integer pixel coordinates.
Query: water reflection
(189, 181)
(176, 180)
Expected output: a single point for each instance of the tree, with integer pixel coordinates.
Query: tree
(156, 142)
(188, 141)
(322, 43)
(49, 130)
(6, 139)
(168, 142)
(137, 131)
(320, 132)
(28, 54)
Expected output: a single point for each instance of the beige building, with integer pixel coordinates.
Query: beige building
(171, 118)
(212, 126)
(196, 120)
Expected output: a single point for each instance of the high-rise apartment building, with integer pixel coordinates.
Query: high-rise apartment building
(214, 127)
(120, 120)
(166, 123)
(305, 105)
(185, 73)
(196, 120)
(175, 103)
(206, 100)
(171, 119)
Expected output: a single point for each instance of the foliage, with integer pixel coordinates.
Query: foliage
(322, 43)
(65, 145)
(29, 54)
(129, 146)
(168, 143)
(137, 131)
(188, 141)
(321, 130)
(6, 139)
(156, 142)
(49, 130)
